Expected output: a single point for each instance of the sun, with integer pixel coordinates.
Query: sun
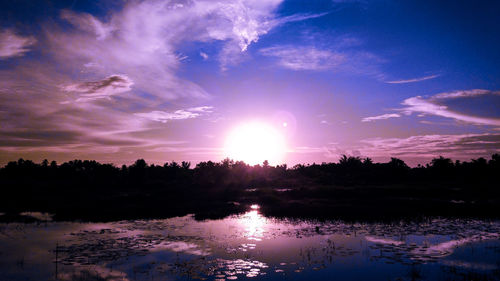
(255, 142)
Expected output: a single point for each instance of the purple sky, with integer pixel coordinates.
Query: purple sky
(169, 80)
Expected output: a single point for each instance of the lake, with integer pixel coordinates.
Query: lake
(250, 246)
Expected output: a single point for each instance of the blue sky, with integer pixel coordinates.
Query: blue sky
(168, 80)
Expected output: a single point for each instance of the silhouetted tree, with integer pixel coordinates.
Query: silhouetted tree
(350, 162)
(396, 163)
(367, 161)
(441, 163)
(140, 164)
(495, 161)
(186, 165)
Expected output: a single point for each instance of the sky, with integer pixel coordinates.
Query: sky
(115, 81)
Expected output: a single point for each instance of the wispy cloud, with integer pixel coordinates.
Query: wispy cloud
(88, 23)
(413, 80)
(202, 109)
(294, 18)
(454, 146)
(135, 41)
(464, 94)
(13, 45)
(338, 57)
(105, 88)
(102, 80)
(435, 105)
(381, 117)
(162, 116)
(204, 55)
(34, 120)
(40, 120)
(414, 149)
(303, 58)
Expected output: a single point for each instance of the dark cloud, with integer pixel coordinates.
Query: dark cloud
(105, 88)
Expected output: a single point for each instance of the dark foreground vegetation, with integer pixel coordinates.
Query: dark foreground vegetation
(353, 189)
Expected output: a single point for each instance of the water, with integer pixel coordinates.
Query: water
(250, 247)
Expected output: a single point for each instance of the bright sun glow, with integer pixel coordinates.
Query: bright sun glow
(255, 142)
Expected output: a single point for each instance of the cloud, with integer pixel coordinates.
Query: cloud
(162, 116)
(413, 80)
(464, 94)
(34, 119)
(329, 151)
(304, 58)
(105, 88)
(241, 22)
(100, 81)
(381, 117)
(204, 55)
(435, 105)
(89, 23)
(203, 109)
(294, 18)
(13, 45)
(385, 241)
(413, 149)
(338, 58)
(94, 271)
(231, 55)
(143, 39)
(454, 146)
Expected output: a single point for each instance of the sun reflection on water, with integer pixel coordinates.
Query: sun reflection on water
(254, 223)
(245, 246)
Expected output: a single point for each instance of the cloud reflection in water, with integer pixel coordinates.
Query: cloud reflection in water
(245, 246)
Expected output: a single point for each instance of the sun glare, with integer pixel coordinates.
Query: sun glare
(254, 143)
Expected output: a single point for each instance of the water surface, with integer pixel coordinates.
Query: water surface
(250, 247)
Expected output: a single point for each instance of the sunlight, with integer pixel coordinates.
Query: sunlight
(254, 143)
(254, 224)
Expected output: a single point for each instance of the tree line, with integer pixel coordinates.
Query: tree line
(348, 170)
(352, 188)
